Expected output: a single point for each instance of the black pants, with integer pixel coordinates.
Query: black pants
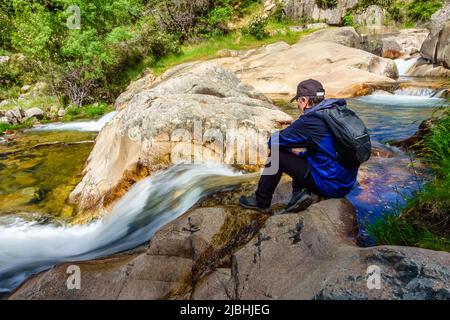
(293, 165)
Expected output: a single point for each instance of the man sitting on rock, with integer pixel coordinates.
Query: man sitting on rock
(315, 170)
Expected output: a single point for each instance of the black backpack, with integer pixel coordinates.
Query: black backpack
(353, 144)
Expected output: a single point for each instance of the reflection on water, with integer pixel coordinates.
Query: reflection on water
(40, 179)
(392, 117)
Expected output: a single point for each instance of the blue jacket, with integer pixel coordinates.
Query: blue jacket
(311, 132)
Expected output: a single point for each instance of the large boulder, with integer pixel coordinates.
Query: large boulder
(311, 255)
(346, 36)
(230, 253)
(203, 113)
(436, 47)
(145, 82)
(310, 9)
(395, 44)
(276, 69)
(422, 68)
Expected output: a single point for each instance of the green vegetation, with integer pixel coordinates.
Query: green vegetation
(257, 27)
(6, 126)
(44, 102)
(349, 20)
(87, 112)
(92, 62)
(421, 10)
(425, 221)
(405, 14)
(395, 230)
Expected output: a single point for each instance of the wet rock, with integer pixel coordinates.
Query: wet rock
(310, 256)
(223, 253)
(382, 151)
(167, 268)
(34, 112)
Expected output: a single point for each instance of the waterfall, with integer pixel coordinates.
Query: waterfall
(408, 97)
(28, 247)
(403, 65)
(88, 126)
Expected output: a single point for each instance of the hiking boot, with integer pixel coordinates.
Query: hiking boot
(250, 203)
(299, 201)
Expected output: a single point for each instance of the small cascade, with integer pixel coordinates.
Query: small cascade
(87, 126)
(403, 66)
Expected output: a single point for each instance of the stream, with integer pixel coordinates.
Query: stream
(34, 229)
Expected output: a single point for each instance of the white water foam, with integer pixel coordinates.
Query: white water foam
(403, 66)
(29, 247)
(408, 97)
(87, 126)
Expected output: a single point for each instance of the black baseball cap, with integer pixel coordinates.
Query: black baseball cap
(309, 88)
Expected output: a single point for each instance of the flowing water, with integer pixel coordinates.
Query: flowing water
(27, 247)
(84, 126)
(30, 242)
(403, 66)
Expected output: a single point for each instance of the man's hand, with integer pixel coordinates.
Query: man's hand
(297, 151)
